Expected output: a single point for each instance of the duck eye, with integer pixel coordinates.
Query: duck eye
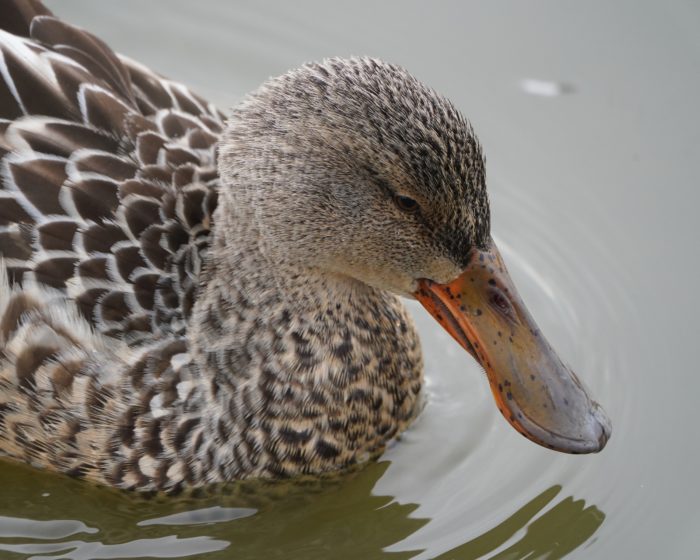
(405, 203)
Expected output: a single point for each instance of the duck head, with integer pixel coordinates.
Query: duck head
(355, 168)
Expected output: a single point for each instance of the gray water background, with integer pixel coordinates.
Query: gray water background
(594, 181)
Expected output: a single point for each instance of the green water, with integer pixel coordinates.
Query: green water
(337, 518)
(594, 180)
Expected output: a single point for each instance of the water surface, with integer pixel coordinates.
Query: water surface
(588, 115)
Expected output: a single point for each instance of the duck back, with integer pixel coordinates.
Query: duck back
(108, 183)
(108, 177)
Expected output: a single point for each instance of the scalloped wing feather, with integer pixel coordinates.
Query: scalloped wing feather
(69, 395)
(108, 180)
(108, 184)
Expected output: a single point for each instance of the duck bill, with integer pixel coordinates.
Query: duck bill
(540, 397)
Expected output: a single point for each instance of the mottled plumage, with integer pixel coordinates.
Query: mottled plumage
(167, 319)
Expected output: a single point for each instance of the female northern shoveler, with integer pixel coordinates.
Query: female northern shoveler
(185, 300)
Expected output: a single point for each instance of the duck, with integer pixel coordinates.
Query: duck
(189, 298)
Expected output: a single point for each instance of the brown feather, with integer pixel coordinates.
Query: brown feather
(85, 49)
(17, 16)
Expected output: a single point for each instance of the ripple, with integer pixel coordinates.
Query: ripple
(164, 547)
(462, 463)
(16, 527)
(215, 514)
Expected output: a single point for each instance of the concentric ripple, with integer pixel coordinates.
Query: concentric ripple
(462, 462)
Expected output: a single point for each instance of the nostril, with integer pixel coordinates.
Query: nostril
(500, 302)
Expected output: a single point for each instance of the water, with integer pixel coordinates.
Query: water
(588, 114)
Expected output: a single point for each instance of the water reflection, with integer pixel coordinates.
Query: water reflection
(546, 88)
(561, 529)
(339, 518)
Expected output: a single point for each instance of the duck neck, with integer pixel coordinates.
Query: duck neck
(248, 285)
(314, 362)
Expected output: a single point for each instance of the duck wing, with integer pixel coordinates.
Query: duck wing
(108, 177)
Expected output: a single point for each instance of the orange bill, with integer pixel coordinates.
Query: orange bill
(540, 396)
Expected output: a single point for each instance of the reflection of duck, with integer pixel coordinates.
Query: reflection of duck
(347, 514)
(167, 319)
